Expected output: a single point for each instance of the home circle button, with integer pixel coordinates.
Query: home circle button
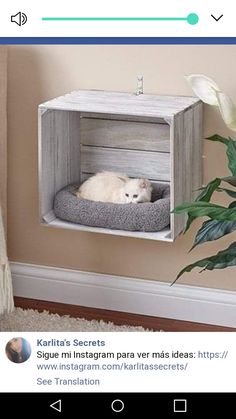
(117, 405)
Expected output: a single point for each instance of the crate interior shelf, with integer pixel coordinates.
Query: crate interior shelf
(152, 136)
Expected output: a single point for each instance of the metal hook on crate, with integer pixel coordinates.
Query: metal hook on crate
(139, 89)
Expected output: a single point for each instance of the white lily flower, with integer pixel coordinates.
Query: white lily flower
(208, 91)
(204, 87)
(227, 109)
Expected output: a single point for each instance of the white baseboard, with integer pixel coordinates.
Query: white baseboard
(152, 298)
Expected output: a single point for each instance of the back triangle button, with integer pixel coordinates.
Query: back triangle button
(56, 405)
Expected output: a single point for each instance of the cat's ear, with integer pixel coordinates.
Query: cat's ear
(144, 183)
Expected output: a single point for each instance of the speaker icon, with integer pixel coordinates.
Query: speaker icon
(19, 18)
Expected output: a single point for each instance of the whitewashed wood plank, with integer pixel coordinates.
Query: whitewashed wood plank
(122, 103)
(197, 149)
(163, 235)
(85, 176)
(124, 117)
(134, 163)
(125, 134)
(186, 157)
(46, 163)
(177, 173)
(73, 155)
(49, 217)
(187, 149)
(146, 111)
(59, 154)
(174, 103)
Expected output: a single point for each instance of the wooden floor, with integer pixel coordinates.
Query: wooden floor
(119, 318)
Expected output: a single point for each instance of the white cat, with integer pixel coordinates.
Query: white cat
(116, 188)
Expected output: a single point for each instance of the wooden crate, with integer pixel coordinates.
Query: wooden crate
(158, 137)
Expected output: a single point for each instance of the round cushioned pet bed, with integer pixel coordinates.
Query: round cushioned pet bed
(149, 216)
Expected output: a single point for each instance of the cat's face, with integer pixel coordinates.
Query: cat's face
(136, 191)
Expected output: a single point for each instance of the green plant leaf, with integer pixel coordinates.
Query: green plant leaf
(231, 150)
(218, 138)
(231, 193)
(232, 204)
(188, 206)
(223, 259)
(205, 195)
(231, 154)
(208, 190)
(230, 179)
(206, 209)
(213, 230)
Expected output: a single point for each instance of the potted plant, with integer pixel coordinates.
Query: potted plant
(221, 220)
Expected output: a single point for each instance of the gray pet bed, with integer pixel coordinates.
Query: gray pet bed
(149, 216)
